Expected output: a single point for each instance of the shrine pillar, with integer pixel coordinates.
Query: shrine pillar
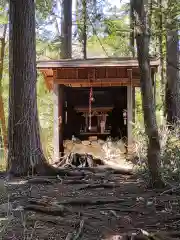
(61, 118)
(56, 122)
(129, 110)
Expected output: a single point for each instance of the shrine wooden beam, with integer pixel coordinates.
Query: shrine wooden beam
(96, 109)
(103, 82)
(48, 80)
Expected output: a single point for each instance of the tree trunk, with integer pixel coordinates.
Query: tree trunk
(172, 71)
(66, 27)
(25, 153)
(132, 37)
(66, 53)
(160, 38)
(2, 113)
(151, 129)
(84, 29)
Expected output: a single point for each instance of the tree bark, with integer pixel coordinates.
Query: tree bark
(66, 27)
(172, 71)
(132, 37)
(160, 38)
(66, 53)
(2, 113)
(151, 129)
(84, 29)
(25, 155)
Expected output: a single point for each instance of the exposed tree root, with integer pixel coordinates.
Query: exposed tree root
(44, 202)
(56, 220)
(75, 181)
(108, 169)
(47, 170)
(84, 202)
(40, 181)
(101, 185)
(47, 207)
(43, 169)
(52, 210)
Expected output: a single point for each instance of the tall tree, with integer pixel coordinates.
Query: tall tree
(25, 153)
(160, 38)
(66, 53)
(142, 35)
(4, 26)
(84, 32)
(66, 29)
(132, 37)
(172, 65)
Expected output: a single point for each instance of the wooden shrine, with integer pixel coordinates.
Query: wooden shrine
(93, 97)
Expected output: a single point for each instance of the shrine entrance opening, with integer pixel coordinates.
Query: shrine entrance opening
(108, 113)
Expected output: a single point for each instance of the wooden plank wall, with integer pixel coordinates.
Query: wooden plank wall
(102, 76)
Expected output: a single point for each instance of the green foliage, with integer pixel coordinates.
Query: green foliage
(45, 109)
(3, 12)
(94, 16)
(170, 152)
(3, 18)
(138, 108)
(48, 49)
(44, 7)
(113, 35)
(170, 145)
(117, 36)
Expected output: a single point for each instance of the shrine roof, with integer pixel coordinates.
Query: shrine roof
(124, 62)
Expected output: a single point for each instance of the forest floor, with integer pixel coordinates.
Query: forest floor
(102, 205)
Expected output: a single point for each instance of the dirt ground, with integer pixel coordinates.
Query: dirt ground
(102, 205)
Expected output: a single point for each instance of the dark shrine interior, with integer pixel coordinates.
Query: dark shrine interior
(106, 118)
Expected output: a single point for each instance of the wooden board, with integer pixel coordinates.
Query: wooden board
(93, 72)
(106, 82)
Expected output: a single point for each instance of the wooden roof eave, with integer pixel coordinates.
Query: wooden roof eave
(88, 63)
(49, 69)
(48, 78)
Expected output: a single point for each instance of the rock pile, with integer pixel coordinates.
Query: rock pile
(94, 153)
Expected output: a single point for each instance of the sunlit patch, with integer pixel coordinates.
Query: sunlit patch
(114, 237)
(21, 182)
(3, 219)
